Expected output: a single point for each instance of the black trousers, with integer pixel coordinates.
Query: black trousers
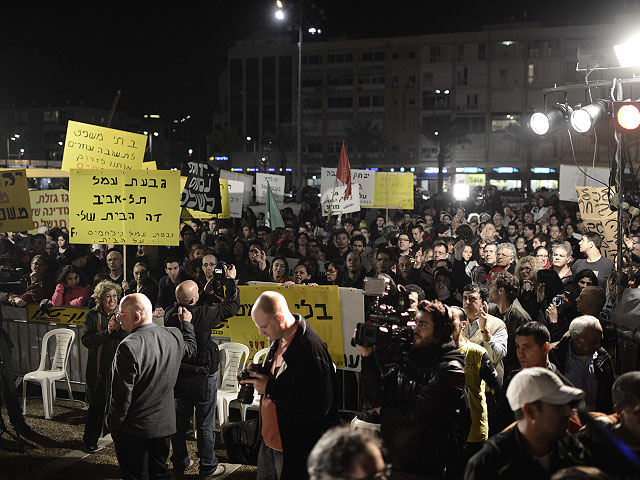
(93, 426)
(143, 458)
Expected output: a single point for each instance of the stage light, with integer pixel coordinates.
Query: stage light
(626, 116)
(628, 53)
(461, 191)
(584, 119)
(544, 122)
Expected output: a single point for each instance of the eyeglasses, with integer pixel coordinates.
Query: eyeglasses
(332, 270)
(121, 314)
(525, 269)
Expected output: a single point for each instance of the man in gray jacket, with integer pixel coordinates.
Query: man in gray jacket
(141, 412)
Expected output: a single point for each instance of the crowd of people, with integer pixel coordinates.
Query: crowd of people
(509, 307)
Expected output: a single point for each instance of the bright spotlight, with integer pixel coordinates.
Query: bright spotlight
(461, 191)
(628, 116)
(583, 119)
(628, 53)
(543, 122)
(279, 14)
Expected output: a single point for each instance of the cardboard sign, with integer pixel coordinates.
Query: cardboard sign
(365, 178)
(339, 204)
(124, 207)
(92, 146)
(202, 189)
(394, 190)
(224, 203)
(236, 198)
(598, 217)
(320, 306)
(571, 176)
(247, 180)
(50, 208)
(15, 206)
(277, 186)
(149, 166)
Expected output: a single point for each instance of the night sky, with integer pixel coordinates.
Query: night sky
(167, 59)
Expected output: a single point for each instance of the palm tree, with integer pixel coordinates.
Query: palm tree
(365, 137)
(445, 131)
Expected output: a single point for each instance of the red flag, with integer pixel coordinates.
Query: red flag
(344, 170)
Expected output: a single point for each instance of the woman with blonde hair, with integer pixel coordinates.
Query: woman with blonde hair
(101, 335)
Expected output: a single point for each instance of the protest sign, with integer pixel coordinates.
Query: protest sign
(339, 204)
(60, 315)
(275, 181)
(598, 217)
(49, 208)
(15, 207)
(394, 190)
(365, 178)
(572, 176)
(247, 180)
(202, 190)
(124, 207)
(236, 197)
(224, 203)
(149, 166)
(92, 146)
(320, 306)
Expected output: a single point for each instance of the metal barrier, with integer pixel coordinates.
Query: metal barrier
(27, 344)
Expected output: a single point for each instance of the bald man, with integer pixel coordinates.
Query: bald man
(141, 412)
(197, 384)
(298, 388)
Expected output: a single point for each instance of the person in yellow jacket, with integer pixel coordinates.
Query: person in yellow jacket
(479, 372)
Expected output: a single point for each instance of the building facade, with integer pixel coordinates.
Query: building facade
(489, 81)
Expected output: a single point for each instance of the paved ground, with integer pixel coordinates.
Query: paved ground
(56, 449)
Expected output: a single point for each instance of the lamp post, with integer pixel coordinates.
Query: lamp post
(249, 139)
(280, 15)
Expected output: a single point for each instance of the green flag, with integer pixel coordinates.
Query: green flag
(272, 216)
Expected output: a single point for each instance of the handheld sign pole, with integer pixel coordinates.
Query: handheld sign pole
(335, 182)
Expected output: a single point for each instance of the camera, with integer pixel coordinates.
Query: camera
(557, 301)
(246, 392)
(220, 271)
(389, 328)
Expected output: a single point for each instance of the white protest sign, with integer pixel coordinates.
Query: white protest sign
(246, 179)
(339, 204)
(366, 179)
(236, 193)
(571, 177)
(275, 181)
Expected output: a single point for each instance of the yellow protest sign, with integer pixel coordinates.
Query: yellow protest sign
(149, 166)
(393, 190)
(598, 217)
(15, 207)
(320, 306)
(224, 196)
(60, 315)
(124, 207)
(49, 208)
(93, 146)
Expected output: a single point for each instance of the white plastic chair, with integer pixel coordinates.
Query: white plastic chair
(235, 358)
(357, 424)
(258, 358)
(47, 378)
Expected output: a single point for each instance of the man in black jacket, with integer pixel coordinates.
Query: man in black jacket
(141, 414)
(538, 445)
(298, 388)
(424, 411)
(197, 382)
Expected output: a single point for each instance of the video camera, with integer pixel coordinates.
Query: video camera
(389, 328)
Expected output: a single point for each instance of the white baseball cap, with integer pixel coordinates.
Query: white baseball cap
(537, 383)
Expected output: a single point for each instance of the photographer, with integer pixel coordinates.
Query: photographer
(197, 382)
(423, 402)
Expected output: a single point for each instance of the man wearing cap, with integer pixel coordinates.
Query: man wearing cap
(538, 445)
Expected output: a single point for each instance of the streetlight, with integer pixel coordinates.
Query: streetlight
(280, 15)
(249, 139)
